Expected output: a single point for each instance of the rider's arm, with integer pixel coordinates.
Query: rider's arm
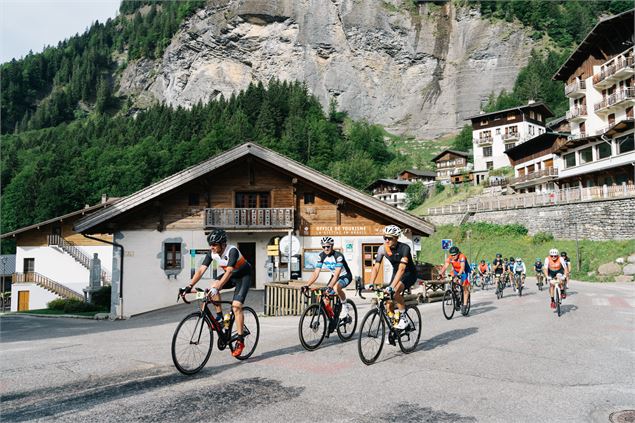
(336, 277)
(400, 271)
(445, 266)
(198, 275)
(314, 276)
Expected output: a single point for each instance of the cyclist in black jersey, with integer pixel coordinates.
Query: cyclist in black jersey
(341, 275)
(234, 271)
(404, 273)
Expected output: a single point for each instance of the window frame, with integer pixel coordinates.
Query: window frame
(176, 261)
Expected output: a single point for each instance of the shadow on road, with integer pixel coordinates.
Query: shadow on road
(445, 338)
(480, 310)
(567, 308)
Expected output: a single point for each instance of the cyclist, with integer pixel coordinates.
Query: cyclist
(566, 280)
(483, 270)
(460, 268)
(510, 272)
(404, 273)
(520, 270)
(555, 268)
(538, 268)
(499, 267)
(341, 275)
(234, 271)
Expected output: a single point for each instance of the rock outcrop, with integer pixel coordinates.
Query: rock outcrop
(415, 69)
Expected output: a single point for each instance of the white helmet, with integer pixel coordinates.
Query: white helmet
(554, 252)
(519, 260)
(327, 240)
(392, 231)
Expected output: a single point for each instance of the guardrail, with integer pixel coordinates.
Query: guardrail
(519, 201)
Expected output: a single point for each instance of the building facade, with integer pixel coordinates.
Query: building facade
(600, 84)
(496, 132)
(390, 191)
(259, 197)
(451, 163)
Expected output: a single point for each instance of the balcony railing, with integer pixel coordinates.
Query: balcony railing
(618, 67)
(485, 141)
(281, 218)
(575, 89)
(510, 136)
(615, 99)
(578, 136)
(577, 113)
(549, 172)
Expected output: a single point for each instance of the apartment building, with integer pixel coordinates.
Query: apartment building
(599, 82)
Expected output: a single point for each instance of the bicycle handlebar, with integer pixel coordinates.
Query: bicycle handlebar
(183, 292)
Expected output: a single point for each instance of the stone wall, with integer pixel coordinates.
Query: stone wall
(596, 220)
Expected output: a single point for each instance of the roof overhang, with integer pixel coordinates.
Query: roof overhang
(363, 200)
(534, 145)
(546, 111)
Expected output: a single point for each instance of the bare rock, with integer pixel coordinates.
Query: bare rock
(623, 278)
(609, 269)
(619, 260)
(631, 258)
(629, 269)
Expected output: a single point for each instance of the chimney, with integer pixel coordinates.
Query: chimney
(531, 101)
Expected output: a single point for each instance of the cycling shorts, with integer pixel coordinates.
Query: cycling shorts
(498, 271)
(552, 273)
(408, 279)
(344, 281)
(465, 280)
(242, 285)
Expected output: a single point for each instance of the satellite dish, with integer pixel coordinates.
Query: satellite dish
(284, 245)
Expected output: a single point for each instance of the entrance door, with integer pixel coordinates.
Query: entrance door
(248, 249)
(368, 259)
(23, 300)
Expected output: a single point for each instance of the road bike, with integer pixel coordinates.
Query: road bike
(453, 299)
(540, 280)
(500, 285)
(372, 331)
(320, 320)
(194, 336)
(519, 282)
(557, 292)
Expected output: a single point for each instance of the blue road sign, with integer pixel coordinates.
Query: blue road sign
(446, 244)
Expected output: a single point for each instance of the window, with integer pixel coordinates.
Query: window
(193, 199)
(484, 122)
(611, 119)
(531, 129)
(604, 150)
(309, 198)
(511, 116)
(569, 160)
(56, 229)
(498, 131)
(252, 200)
(625, 144)
(509, 146)
(29, 265)
(532, 115)
(539, 117)
(487, 151)
(586, 155)
(172, 255)
(489, 165)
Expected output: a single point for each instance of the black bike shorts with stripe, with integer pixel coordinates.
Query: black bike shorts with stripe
(242, 284)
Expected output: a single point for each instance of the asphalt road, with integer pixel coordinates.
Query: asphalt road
(510, 360)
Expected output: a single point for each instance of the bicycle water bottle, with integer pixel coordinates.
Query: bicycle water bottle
(396, 317)
(226, 320)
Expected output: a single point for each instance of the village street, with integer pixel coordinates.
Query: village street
(510, 360)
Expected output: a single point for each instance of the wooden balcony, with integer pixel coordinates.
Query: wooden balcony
(576, 89)
(250, 219)
(547, 174)
(484, 141)
(617, 69)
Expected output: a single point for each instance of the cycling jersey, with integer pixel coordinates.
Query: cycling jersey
(498, 262)
(538, 266)
(399, 254)
(334, 261)
(230, 257)
(520, 268)
(482, 268)
(555, 266)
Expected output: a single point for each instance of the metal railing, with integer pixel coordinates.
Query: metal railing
(510, 136)
(516, 201)
(616, 97)
(46, 283)
(551, 171)
(576, 112)
(577, 85)
(485, 140)
(279, 218)
(75, 252)
(619, 63)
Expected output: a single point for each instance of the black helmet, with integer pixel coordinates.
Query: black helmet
(482, 261)
(563, 254)
(512, 259)
(217, 236)
(454, 250)
(499, 255)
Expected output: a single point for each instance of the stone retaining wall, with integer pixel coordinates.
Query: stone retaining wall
(597, 220)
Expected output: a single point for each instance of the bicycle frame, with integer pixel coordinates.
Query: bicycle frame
(204, 299)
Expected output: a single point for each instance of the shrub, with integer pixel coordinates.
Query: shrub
(57, 304)
(101, 298)
(439, 187)
(542, 237)
(77, 306)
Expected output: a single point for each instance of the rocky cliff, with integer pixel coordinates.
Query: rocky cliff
(414, 69)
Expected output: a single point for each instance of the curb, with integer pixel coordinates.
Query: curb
(52, 316)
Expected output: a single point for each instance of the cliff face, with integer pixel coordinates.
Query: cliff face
(415, 70)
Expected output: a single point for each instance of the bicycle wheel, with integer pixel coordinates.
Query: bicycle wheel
(520, 287)
(251, 333)
(448, 304)
(192, 343)
(409, 337)
(346, 327)
(312, 327)
(557, 300)
(371, 337)
(468, 306)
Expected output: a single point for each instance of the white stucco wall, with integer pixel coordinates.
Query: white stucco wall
(38, 297)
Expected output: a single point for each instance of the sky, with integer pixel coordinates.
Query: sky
(32, 24)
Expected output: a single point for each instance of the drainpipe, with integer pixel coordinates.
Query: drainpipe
(114, 244)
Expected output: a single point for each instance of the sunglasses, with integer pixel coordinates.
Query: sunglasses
(214, 245)
(327, 246)
(388, 238)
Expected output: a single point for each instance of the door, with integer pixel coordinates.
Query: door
(248, 250)
(23, 300)
(368, 259)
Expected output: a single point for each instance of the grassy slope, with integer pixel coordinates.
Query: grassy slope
(485, 245)
(448, 196)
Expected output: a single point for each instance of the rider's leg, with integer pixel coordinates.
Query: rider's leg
(237, 307)
(401, 303)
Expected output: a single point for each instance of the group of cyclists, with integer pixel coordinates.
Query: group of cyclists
(234, 271)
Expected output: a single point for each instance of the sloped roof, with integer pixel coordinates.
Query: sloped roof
(7, 264)
(420, 172)
(399, 182)
(272, 158)
(546, 112)
(458, 153)
(76, 213)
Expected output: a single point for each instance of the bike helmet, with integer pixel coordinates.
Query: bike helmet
(498, 255)
(519, 260)
(482, 261)
(327, 240)
(217, 236)
(554, 252)
(538, 259)
(563, 254)
(392, 231)
(454, 250)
